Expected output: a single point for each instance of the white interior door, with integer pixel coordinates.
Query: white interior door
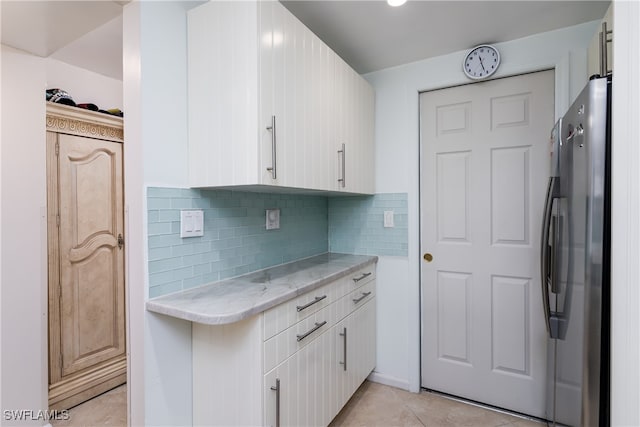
(484, 170)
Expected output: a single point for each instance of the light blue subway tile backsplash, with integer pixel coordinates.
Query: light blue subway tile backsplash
(356, 225)
(235, 239)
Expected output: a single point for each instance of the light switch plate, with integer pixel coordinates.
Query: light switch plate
(192, 223)
(272, 219)
(388, 219)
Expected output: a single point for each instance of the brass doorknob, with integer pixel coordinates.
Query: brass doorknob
(427, 257)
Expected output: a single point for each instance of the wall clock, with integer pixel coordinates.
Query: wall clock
(481, 62)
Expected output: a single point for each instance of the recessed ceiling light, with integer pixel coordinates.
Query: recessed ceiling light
(396, 3)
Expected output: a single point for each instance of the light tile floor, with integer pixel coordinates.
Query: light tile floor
(107, 409)
(379, 405)
(372, 405)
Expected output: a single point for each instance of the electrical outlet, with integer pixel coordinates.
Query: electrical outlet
(272, 219)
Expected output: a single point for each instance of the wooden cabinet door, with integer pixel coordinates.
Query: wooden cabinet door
(87, 312)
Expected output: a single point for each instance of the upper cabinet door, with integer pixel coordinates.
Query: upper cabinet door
(269, 101)
(223, 90)
(353, 149)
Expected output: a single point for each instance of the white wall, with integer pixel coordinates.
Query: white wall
(155, 99)
(23, 372)
(625, 207)
(397, 169)
(84, 86)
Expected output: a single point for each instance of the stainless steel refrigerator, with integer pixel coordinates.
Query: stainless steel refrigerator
(575, 261)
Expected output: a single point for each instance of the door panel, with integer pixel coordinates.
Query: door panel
(91, 273)
(510, 196)
(454, 318)
(484, 168)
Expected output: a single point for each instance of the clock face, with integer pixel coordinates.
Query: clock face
(481, 62)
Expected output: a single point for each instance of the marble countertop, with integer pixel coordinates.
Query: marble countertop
(235, 299)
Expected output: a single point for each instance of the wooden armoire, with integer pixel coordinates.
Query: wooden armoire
(87, 349)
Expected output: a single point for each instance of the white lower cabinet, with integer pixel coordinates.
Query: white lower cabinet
(313, 384)
(299, 391)
(289, 372)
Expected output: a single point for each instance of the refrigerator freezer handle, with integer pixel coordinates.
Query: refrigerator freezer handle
(544, 252)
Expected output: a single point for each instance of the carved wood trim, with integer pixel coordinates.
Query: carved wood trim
(78, 387)
(77, 121)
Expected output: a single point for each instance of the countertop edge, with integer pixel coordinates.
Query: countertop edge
(156, 306)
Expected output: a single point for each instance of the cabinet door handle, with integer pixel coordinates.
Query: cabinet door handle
(316, 300)
(277, 390)
(357, 279)
(364, 295)
(344, 351)
(272, 128)
(344, 165)
(312, 330)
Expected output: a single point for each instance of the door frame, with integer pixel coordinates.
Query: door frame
(422, 202)
(562, 97)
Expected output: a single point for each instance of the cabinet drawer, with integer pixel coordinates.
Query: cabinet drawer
(279, 318)
(354, 280)
(278, 348)
(360, 278)
(355, 299)
(282, 316)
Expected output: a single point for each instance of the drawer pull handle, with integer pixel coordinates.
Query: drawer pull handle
(364, 295)
(277, 390)
(357, 279)
(310, 331)
(316, 299)
(344, 349)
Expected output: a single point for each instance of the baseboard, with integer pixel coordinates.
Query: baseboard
(377, 377)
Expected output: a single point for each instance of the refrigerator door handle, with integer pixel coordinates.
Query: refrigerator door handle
(556, 233)
(544, 252)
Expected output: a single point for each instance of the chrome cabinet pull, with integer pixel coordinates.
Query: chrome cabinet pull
(342, 179)
(357, 279)
(272, 128)
(316, 300)
(364, 295)
(277, 390)
(344, 351)
(312, 330)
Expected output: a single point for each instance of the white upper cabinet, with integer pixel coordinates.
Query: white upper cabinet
(265, 105)
(354, 125)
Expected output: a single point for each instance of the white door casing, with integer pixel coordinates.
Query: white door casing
(484, 166)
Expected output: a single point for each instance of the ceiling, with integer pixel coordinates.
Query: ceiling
(369, 35)
(83, 33)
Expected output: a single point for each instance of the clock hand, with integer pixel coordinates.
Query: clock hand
(483, 69)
